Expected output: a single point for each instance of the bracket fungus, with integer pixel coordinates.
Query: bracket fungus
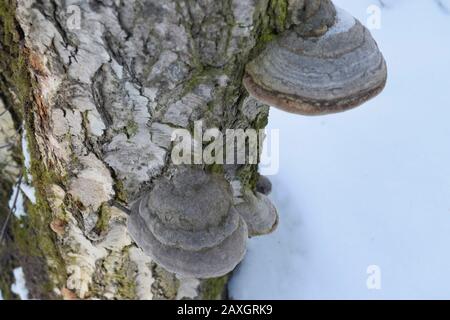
(326, 62)
(259, 213)
(188, 224)
(263, 185)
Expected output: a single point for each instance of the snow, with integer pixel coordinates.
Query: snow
(368, 189)
(19, 287)
(29, 192)
(27, 189)
(26, 152)
(20, 209)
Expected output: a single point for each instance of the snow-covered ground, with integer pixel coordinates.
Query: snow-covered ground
(370, 186)
(19, 287)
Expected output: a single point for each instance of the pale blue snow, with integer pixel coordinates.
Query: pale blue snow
(26, 152)
(19, 286)
(370, 186)
(19, 210)
(29, 192)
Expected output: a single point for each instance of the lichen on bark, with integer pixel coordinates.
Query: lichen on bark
(28, 242)
(99, 101)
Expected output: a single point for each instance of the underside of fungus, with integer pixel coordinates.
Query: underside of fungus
(333, 69)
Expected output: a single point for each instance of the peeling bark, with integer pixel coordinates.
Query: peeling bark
(99, 95)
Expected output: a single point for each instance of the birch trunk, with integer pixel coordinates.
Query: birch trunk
(98, 87)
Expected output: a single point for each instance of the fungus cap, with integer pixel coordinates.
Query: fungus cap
(189, 226)
(259, 213)
(210, 262)
(331, 73)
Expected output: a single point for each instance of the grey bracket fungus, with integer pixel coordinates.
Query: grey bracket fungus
(189, 225)
(316, 75)
(259, 213)
(263, 185)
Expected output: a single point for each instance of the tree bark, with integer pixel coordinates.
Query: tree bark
(98, 87)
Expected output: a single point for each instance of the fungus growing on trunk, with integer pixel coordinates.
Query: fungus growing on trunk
(263, 185)
(189, 225)
(259, 213)
(326, 62)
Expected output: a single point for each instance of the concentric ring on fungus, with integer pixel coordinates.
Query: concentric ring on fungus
(335, 72)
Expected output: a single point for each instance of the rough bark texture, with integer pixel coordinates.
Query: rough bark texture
(98, 102)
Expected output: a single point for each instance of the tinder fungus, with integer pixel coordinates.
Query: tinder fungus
(187, 223)
(326, 62)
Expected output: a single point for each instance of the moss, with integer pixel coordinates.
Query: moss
(12, 56)
(120, 191)
(126, 285)
(215, 288)
(278, 11)
(5, 289)
(7, 260)
(125, 280)
(165, 285)
(104, 216)
(201, 75)
(215, 168)
(34, 246)
(267, 37)
(261, 120)
(32, 237)
(6, 275)
(131, 128)
(112, 273)
(270, 23)
(248, 175)
(38, 240)
(194, 81)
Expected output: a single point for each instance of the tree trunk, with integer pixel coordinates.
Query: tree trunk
(95, 88)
